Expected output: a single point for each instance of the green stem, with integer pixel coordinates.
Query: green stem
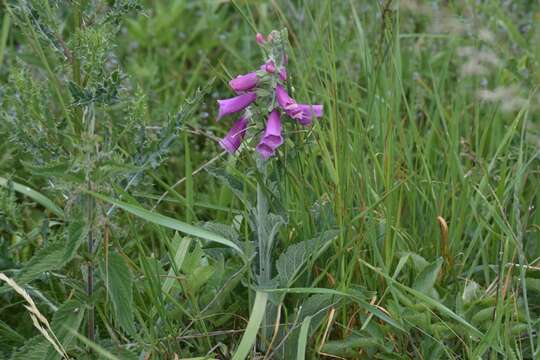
(90, 221)
(264, 253)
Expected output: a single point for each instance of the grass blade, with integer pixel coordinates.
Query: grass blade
(250, 335)
(168, 222)
(302, 339)
(34, 195)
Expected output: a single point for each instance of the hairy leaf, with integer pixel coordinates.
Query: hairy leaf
(425, 281)
(119, 282)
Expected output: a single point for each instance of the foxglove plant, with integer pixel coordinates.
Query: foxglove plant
(262, 95)
(264, 92)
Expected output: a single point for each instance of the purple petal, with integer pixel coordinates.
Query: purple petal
(231, 142)
(265, 151)
(283, 99)
(235, 104)
(272, 138)
(244, 82)
(283, 74)
(260, 38)
(307, 112)
(270, 67)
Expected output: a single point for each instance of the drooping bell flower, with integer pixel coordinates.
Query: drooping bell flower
(307, 112)
(303, 113)
(272, 137)
(235, 104)
(244, 82)
(231, 142)
(283, 99)
(260, 38)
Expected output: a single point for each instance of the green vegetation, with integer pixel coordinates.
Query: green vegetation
(407, 217)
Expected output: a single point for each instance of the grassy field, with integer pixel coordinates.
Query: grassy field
(403, 224)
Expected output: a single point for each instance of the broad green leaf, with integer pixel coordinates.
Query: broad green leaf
(119, 282)
(51, 257)
(483, 315)
(290, 263)
(75, 234)
(471, 292)
(61, 171)
(169, 222)
(35, 348)
(255, 319)
(350, 346)
(54, 255)
(425, 281)
(34, 195)
(9, 336)
(68, 316)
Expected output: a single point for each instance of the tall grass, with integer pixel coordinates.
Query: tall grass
(412, 205)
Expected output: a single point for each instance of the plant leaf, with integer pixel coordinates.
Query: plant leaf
(68, 316)
(119, 282)
(425, 281)
(54, 255)
(34, 195)
(290, 262)
(257, 315)
(35, 348)
(168, 222)
(303, 338)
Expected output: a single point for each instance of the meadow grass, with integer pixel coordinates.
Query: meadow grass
(420, 185)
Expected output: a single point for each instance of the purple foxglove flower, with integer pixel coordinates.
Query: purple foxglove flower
(283, 99)
(270, 67)
(235, 104)
(244, 82)
(303, 113)
(287, 103)
(272, 138)
(231, 142)
(260, 38)
(283, 74)
(307, 112)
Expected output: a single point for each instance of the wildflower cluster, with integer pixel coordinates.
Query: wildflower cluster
(264, 89)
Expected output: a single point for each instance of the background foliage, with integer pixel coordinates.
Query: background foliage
(411, 207)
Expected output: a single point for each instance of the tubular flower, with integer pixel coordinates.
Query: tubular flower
(244, 82)
(235, 104)
(308, 112)
(231, 142)
(303, 113)
(283, 99)
(272, 138)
